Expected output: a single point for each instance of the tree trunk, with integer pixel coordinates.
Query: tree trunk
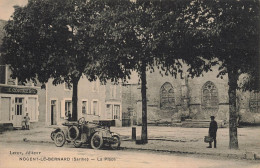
(232, 82)
(75, 99)
(144, 138)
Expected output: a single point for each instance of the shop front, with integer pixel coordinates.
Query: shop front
(15, 102)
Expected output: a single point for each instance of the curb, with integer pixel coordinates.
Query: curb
(232, 156)
(242, 156)
(162, 139)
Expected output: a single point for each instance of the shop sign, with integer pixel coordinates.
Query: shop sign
(15, 90)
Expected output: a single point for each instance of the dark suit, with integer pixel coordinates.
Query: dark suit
(213, 132)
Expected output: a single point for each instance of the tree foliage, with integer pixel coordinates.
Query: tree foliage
(57, 39)
(237, 39)
(230, 33)
(109, 47)
(108, 39)
(128, 32)
(232, 39)
(236, 45)
(47, 39)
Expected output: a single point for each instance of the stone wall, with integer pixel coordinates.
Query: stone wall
(188, 99)
(249, 107)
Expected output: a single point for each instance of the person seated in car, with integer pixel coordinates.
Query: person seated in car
(69, 116)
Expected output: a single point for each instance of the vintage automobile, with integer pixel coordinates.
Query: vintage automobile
(83, 132)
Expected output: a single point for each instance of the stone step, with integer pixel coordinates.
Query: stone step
(200, 121)
(196, 121)
(188, 123)
(195, 125)
(202, 124)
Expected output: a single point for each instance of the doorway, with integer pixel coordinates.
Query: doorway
(19, 110)
(53, 112)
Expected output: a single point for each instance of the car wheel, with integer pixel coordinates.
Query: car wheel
(116, 142)
(96, 141)
(77, 144)
(59, 139)
(52, 135)
(73, 133)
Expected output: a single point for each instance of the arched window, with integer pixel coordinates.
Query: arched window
(209, 95)
(254, 102)
(167, 100)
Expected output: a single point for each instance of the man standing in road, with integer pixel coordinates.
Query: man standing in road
(213, 132)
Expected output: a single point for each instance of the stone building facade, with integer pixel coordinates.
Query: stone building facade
(17, 99)
(170, 99)
(95, 102)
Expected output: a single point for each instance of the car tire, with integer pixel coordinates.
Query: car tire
(73, 133)
(96, 141)
(53, 135)
(59, 139)
(116, 138)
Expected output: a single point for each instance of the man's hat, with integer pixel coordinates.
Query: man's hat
(212, 117)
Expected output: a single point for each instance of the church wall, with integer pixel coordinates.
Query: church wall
(188, 99)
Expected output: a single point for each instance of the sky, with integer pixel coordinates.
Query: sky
(6, 7)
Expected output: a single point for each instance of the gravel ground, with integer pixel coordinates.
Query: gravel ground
(168, 139)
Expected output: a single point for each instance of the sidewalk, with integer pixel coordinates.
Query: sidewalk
(166, 139)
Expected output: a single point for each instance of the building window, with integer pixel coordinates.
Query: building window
(5, 75)
(10, 80)
(209, 95)
(254, 102)
(116, 112)
(2, 74)
(95, 109)
(68, 108)
(113, 111)
(167, 99)
(84, 107)
(18, 106)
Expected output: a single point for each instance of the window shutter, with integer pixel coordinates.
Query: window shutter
(62, 112)
(91, 108)
(99, 108)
